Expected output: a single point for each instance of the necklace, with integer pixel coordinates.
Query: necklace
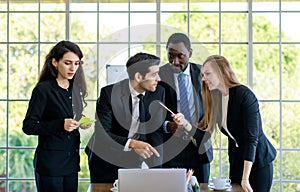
(63, 85)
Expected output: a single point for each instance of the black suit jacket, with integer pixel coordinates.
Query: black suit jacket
(190, 156)
(57, 152)
(106, 147)
(244, 124)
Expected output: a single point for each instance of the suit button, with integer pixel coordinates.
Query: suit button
(69, 137)
(69, 153)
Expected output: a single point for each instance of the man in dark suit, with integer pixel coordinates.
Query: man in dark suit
(128, 131)
(181, 148)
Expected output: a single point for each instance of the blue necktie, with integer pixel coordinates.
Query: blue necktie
(184, 102)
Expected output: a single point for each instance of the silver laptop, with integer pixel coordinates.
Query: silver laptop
(152, 180)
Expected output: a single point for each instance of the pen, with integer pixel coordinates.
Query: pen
(166, 108)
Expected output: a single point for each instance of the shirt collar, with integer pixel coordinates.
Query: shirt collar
(133, 92)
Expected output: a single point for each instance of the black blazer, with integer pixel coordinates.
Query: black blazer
(191, 156)
(113, 113)
(57, 152)
(244, 124)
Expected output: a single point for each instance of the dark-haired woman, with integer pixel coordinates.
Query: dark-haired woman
(54, 109)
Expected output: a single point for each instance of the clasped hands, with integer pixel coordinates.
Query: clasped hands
(179, 126)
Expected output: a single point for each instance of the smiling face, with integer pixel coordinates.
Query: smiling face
(150, 80)
(178, 56)
(66, 66)
(210, 77)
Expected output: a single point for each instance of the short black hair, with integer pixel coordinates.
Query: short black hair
(178, 38)
(141, 62)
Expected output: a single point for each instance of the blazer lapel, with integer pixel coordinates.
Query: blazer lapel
(121, 103)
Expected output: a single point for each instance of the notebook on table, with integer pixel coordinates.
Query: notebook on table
(152, 180)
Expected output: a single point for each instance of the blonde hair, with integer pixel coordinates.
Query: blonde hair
(212, 99)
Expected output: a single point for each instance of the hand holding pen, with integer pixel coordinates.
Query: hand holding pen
(70, 124)
(179, 119)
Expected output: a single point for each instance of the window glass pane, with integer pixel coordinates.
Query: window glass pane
(291, 169)
(44, 50)
(109, 31)
(238, 61)
(163, 55)
(113, 54)
(237, 5)
(266, 71)
(236, 21)
(143, 28)
(176, 21)
(212, 49)
(90, 68)
(22, 80)
(214, 165)
(205, 5)
(3, 24)
(205, 26)
(138, 6)
(265, 5)
(22, 186)
(2, 165)
(83, 6)
(148, 48)
(200, 53)
(276, 167)
(3, 71)
(21, 164)
(180, 5)
(290, 31)
(290, 186)
(166, 31)
(113, 6)
(265, 27)
(290, 125)
(32, 5)
(3, 123)
(269, 112)
(57, 30)
(290, 5)
(290, 71)
(54, 5)
(3, 5)
(23, 27)
(83, 27)
(16, 116)
(225, 162)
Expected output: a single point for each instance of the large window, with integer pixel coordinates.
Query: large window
(259, 37)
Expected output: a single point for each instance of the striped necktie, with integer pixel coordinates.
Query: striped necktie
(184, 102)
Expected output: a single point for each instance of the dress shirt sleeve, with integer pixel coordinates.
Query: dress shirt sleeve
(126, 148)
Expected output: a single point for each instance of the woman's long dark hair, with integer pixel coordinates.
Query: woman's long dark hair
(57, 52)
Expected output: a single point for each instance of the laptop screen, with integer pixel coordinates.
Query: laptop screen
(152, 180)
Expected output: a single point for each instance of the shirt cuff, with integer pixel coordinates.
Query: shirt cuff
(165, 126)
(126, 148)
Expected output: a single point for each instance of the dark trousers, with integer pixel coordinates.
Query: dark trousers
(261, 179)
(67, 183)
